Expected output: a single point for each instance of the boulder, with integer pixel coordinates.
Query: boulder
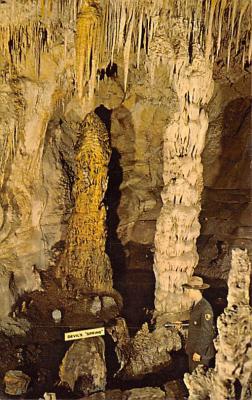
(83, 367)
(149, 351)
(16, 382)
(108, 303)
(96, 306)
(146, 352)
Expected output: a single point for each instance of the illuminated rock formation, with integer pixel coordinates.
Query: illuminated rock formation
(231, 377)
(234, 353)
(187, 55)
(88, 39)
(178, 226)
(84, 257)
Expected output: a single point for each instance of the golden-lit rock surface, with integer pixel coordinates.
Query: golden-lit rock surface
(84, 257)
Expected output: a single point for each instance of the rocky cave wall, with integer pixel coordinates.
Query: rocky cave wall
(40, 115)
(226, 202)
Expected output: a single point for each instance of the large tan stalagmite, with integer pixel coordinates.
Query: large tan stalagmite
(84, 257)
(178, 226)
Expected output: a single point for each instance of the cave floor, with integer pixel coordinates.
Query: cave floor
(40, 352)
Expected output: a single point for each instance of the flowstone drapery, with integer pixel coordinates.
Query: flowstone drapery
(232, 374)
(84, 257)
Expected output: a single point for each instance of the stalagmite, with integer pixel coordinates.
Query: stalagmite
(178, 227)
(234, 352)
(232, 373)
(84, 258)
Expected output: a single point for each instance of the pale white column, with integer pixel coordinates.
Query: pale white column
(178, 224)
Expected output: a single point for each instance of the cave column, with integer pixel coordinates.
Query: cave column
(178, 224)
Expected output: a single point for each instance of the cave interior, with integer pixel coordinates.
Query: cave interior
(125, 169)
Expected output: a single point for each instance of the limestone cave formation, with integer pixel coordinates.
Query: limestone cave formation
(125, 169)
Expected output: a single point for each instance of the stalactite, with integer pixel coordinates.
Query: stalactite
(126, 53)
(220, 20)
(84, 258)
(209, 41)
(42, 7)
(243, 10)
(88, 28)
(140, 30)
(11, 129)
(250, 48)
(234, 10)
(109, 20)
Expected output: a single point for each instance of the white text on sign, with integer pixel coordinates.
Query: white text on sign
(85, 333)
